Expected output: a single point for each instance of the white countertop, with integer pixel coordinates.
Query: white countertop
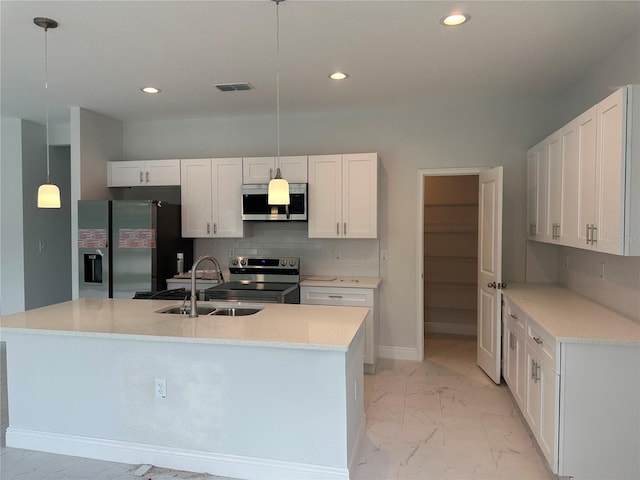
(277, 325)
(572, 318)
(336, 281)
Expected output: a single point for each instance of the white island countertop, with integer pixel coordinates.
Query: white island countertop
(277, 325)
(337, 281)
(572, 318)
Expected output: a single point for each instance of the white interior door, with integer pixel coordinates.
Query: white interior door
(490, 271)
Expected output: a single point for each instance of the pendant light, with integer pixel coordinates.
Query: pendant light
(278, 186)
(48, 193)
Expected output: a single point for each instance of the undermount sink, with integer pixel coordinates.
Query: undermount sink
(186, 309)
(211, 310)
(235, 311)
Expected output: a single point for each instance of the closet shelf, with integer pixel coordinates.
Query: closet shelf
(449, 307)
(440, 205)
(454, 258)
(433, 283)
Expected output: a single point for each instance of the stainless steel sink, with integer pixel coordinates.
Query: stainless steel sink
(235, 311)
(185, 309)
(211, 310)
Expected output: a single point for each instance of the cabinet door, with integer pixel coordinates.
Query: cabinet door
(162, 172)
(549, 404)
(554, 193)
(258, 169)
(610, 176)
(126, 174)
(569, 227)
(325, 196)
(360, 195)
(542, 185)
(532, 193)
(519, 373)
(195, 194)
(294, 169)
(532, 391)
(226, 199)
(587, 135)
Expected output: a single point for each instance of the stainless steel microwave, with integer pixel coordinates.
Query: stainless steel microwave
(255, 206)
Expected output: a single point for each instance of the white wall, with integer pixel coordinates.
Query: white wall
(95, 140)
(11, 236)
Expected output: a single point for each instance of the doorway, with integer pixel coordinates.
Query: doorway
(447, 242)
(450, 254)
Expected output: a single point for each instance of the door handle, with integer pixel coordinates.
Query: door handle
(491, 285)
(501, 285)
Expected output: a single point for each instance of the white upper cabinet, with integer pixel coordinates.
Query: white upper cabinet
(262, 169)
(211, 197)
(343, 196)
(145, 173)
(590, 179)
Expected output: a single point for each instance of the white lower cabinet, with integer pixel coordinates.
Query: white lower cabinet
(350, 297)
(580, 399)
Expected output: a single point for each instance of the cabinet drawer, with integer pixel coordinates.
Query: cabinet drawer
(517, 319)
(542, 343)
(351, 297)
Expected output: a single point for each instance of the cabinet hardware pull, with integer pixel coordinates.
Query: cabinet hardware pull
(147, 177)
(594, 234)
(215, 228)
(141, 177)
(538, 340)
(208, 228)
(335, 296)
(338, 229)
(533, 369)
(537, 373)
(515, 317)
(345, 229)
(587, 234)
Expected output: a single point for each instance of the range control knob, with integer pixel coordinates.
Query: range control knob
(292, 262)
(283, 262)
(234, 261)
(243, 262)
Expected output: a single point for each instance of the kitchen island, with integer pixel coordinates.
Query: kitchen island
(277, 394)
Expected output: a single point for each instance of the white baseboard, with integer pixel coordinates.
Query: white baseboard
(397, 353)
(167, 457)
(455, 328)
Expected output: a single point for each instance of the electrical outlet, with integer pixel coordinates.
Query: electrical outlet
(338, 255)
(161, 388)
(384, 255)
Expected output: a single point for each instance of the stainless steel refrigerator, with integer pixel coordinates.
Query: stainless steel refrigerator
(128, 246)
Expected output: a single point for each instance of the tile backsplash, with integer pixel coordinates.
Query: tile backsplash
(318, 256)
(618, 288)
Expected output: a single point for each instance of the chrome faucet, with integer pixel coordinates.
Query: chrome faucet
(193, 311)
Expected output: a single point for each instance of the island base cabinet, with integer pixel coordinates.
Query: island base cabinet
(599, 412)
(350, 297)
(241, 411)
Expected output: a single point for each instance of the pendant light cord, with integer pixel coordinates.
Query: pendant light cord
(46, 98)
(278, 75)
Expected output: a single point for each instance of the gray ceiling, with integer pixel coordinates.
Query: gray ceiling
(395, 52)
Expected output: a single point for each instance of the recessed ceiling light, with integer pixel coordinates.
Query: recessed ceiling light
(455, 19)
(150, 90)
(338, 76)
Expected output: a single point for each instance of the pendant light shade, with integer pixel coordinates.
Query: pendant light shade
(48, 193)
(48, 196)
(278, 191)
(278, 186)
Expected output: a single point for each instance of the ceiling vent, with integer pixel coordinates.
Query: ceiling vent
(234, 87)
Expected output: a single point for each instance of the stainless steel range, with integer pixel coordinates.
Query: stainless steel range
(260, 279)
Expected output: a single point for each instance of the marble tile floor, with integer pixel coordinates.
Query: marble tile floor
(438, 419)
